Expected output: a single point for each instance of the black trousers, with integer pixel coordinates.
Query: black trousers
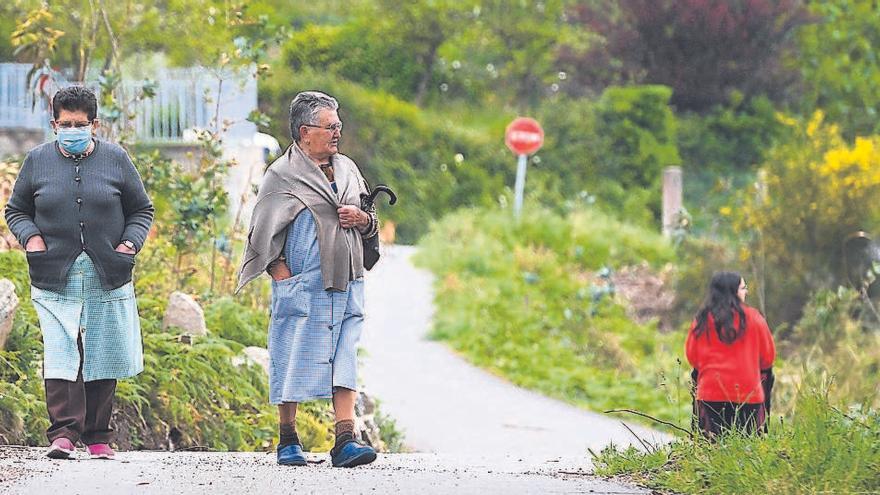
(80, 410)
(714, 417)
(717, 417)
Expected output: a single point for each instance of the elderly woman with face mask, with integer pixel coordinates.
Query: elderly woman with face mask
(306, 232)
(80, 210)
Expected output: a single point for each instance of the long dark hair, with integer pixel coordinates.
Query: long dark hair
(721, 302)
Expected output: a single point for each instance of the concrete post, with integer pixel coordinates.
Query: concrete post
(672, 198)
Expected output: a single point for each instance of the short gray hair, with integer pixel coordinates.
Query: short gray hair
(304, 109)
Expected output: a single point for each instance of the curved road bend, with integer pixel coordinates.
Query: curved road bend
(447, 406)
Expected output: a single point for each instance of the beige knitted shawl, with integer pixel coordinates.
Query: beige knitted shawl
(294, 182)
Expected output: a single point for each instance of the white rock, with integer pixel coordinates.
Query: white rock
(257, 355)
(184, 312)
(8, 305)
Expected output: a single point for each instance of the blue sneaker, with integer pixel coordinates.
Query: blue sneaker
(351, 454)
(291, 455)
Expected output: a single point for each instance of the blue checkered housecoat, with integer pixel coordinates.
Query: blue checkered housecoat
(107, 320)
(313, 333)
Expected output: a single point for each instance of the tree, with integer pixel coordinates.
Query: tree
(387, 45)
(513, 46)
(422, 26)
(703, 49)
(840, 65)
(813, 192)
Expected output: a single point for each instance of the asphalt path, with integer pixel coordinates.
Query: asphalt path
(29, 472)
(447, 406)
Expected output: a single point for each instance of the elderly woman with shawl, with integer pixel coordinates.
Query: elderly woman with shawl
(306, 232)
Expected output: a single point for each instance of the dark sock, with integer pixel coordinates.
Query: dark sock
(288, 435)
(344, 431)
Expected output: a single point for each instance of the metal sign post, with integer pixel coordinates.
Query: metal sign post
(520, 186)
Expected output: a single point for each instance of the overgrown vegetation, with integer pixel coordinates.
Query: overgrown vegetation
(820, 448)
(534, 302)
(823, 428)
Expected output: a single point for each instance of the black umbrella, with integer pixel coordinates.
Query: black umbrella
(371, 245)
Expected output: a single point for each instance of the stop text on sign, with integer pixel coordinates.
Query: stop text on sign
(524, 136)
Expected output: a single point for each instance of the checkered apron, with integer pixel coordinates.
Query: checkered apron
(313, 333)
(107, 321)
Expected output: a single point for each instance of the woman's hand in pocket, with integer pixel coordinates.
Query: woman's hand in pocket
(280, 271)
(35, 244)
(122, 248)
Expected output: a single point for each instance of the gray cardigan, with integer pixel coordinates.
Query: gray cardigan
(91, 205)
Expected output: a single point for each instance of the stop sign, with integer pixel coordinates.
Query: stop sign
(524, 136)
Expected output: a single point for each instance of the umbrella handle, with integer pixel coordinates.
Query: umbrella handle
(367, 200)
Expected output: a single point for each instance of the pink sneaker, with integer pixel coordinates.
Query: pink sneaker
(100, 451)
(61, 448)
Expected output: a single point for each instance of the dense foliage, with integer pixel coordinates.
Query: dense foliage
(703, 49)
(839, 65)
(815, 190)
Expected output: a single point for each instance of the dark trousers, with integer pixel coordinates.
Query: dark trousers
(80, 410)
(713, 417)
(717, 417)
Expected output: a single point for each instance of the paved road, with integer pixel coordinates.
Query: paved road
(449, 407)
(28, 472)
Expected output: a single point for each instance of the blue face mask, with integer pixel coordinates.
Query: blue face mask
(75, 140)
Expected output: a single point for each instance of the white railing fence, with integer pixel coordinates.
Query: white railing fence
(185, 99)
(17, 107)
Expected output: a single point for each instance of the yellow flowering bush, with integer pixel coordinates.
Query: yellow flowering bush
(811, 193)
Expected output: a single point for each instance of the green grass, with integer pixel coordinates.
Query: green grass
(529, 302)
(820, 450)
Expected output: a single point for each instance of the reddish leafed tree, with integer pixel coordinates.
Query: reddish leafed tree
(702, 49)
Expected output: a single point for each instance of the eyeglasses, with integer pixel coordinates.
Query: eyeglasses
(332, 127)
(71, 125)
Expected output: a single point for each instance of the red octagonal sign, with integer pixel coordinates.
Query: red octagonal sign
(524, 136)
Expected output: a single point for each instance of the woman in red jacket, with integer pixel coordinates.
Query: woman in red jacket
(731, 349)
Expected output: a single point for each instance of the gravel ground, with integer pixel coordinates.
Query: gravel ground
(28, 472)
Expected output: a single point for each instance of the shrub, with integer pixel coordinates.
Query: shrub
(814, 190)
(732, 137)
(230, 320)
